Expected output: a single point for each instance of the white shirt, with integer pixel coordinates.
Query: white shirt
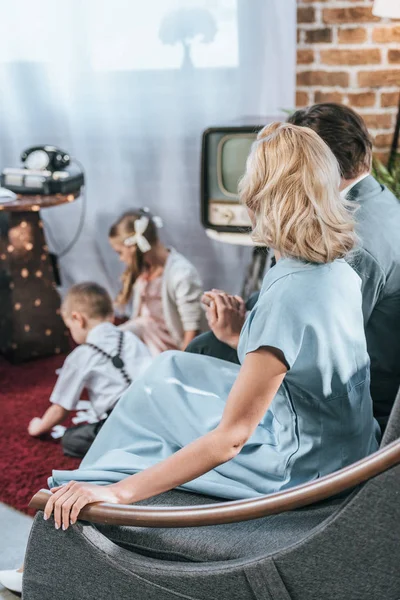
(346, 190)
(87, 368)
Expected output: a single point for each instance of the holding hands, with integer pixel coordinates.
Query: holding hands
(225, 315)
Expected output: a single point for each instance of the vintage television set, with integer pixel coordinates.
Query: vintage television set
(223, 162)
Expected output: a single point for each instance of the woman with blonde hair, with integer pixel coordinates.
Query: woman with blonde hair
(298, 407)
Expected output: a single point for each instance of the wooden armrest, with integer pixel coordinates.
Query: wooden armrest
(238, 510)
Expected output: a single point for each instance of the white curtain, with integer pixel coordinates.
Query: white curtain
(127, 87)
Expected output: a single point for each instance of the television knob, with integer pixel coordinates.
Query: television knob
(228, 215)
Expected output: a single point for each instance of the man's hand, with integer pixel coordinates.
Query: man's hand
(225, 315)
(35, 427)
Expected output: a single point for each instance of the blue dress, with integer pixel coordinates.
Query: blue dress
(319, 421)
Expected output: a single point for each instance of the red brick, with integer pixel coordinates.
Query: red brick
(302, 99)
(305, 57)
(323, 78)
(383, 140)
(306, 14)
(352, 14)
(319, 36)
(389, 99)
(378, 121)
(328, 97)
(394, 56)
(386, 35)
(355, 35)
(367, 56)
(379, 78)
(382, 156)
(362, 99)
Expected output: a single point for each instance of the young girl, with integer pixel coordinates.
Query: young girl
(165, 287)
(298, 407)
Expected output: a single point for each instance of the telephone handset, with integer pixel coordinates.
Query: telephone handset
(40, 158)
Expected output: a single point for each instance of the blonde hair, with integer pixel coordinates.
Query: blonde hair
(89, 298)
(123, 229)
(292, 186)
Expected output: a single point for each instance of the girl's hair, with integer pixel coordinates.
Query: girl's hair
(292, 186)
(123, 229)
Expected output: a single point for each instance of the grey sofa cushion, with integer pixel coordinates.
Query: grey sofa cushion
(221, 542)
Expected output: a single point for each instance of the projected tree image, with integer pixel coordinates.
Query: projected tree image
(185, 26)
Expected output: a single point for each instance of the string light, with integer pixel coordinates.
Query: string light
(38, 273)
(3, 257)
(17, 306)
(10, 248)
(48, 332)
(35, 208)
(38, 302)
(27, 328)
(28, 246)
(24, 273)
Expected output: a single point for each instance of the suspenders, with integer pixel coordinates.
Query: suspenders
(116, 359)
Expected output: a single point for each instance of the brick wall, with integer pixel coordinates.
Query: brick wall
(345, 54)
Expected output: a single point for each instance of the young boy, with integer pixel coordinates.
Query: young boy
(106, 361)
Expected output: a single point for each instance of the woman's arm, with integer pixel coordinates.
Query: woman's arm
(258, 381)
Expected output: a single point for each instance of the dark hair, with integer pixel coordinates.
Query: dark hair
(343, 130)
(123, 228)
(92, 299)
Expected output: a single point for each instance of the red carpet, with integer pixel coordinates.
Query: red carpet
(26, 462)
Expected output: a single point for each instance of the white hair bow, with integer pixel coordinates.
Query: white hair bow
(138, 237)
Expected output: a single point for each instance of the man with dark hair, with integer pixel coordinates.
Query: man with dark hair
(377, 261)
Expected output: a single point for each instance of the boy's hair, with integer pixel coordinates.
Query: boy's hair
(291, 185)
(123, 229)
(91, 298)
(345, 133)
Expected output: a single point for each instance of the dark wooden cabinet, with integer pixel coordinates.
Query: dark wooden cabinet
(30, 320)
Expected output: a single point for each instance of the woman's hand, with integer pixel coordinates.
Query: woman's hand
(68, 500)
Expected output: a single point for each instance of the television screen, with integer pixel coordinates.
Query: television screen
(233, 151)
(224, 155)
